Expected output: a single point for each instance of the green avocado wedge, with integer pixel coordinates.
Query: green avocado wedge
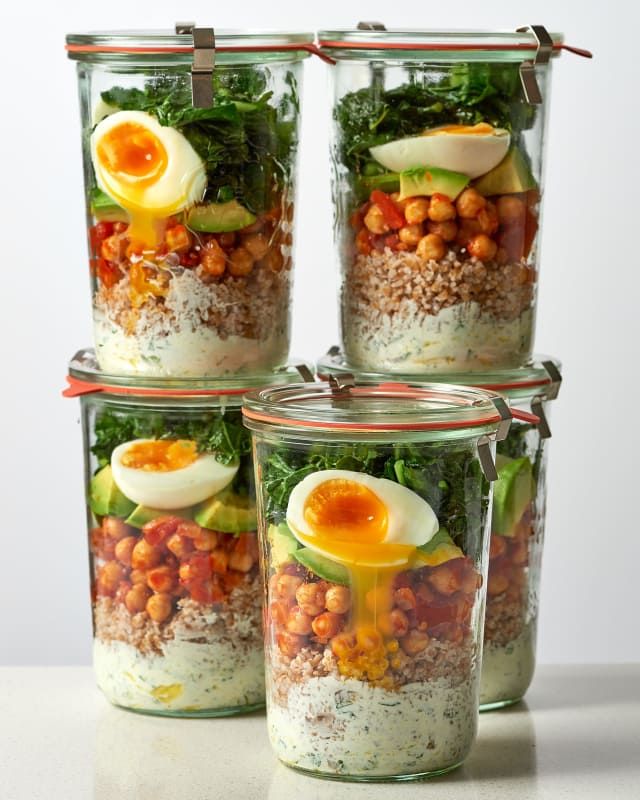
(226, 512)
(511, 176)
(143, 514)
(104, 209)
(219, 217)
(104, 497)
(512, 493)
(283, 544)
(322, 566)
(426, 181)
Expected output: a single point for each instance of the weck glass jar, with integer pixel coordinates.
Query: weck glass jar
(518, 522)
(175, 584)
(372, 519)
(189, 145)
(438, 155)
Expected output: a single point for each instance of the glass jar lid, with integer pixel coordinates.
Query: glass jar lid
(370, 406)
(233, 46)
(539, 376)
(85, 377)
(370, 39)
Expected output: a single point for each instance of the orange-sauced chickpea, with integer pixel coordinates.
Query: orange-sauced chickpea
(395, 623)
(414, 642)
(124, 548)
(447, 230)
(241, 561)
(138, 576)
(405, 599)
(298, 622)
(161, 579)
(368, 639)
(115, 528)
(159, 607)
(145, 556)
(205, 540)
(136, 598)
(257, 244)
(445, 579)
(289, 643)
(441, 208)
(338, 599)
(278, 612)
(311, 597)
(416, 210)
(431, 247)
(326, 625)
(410, 234)
(488, 219)
(497, 584)
(287, 585)
(109, 577)
(342, 645)
(467, 229)
(178, 239)
(219, 561)
(273, 259)
(214, 259)
(189, 529)
(179, 545)
(240, 262)
(374, 220)
(482, 247)
(470, 203)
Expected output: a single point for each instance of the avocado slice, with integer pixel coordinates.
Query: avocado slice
(219, 217)
(437, 550)
(227, 512)
(105, 498)
(283, 544)
(431, 180)
(143, 514)
(387, 182)
(512, 493)
(104, 209)
(512, 175)
(322, 566)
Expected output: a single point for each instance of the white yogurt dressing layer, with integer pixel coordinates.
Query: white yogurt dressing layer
(346, 727)
(183, 353)
(188, 677)
(458, 338)
(507, 670)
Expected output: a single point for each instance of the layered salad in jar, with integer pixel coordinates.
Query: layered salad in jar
(515, 554)
(176, 588)
(437, 220)
(372, 563)
(190, 215)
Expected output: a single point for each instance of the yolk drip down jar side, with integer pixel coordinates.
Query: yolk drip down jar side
(373, 514)
(190, 193)
(438, 181)
(173, 552)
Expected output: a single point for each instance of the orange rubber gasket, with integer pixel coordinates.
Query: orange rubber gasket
(335, 44)
(78, 388)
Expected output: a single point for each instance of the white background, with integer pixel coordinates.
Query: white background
(588, 304)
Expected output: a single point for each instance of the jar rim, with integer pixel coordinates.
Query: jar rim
(85, 377)
(371, 406)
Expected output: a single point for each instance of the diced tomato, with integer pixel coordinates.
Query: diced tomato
(195, 568)
(391, 213)
(159, 529)
(363, 242)
(205, 591)
(107, 273)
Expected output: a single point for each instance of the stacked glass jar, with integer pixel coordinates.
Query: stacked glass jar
(189, 144)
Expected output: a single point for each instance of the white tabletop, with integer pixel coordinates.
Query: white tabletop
(578, 736)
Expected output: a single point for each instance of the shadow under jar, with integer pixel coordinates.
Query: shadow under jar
(190, 204)
(175, 585)
(437, 155)
(372, 518)
(518, 520)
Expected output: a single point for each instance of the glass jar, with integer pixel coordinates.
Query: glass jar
(190, 188)
(175, 585)
(372, 519)
(438, 155)
(518, 522)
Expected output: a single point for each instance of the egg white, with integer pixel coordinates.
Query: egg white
(175, 489)
(472, 154)
(411, 520)
(182, 183)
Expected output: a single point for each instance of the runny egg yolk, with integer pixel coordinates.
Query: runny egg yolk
(349, 520)
(480, 129)
(161, 455)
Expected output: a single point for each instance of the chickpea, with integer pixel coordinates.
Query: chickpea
(145, 556)
(488, 219)
(511, 210)
(470, 581)
(447, 230)
(377, 598)
(342, 645)
(416, 210)
(394, 624)
(338, 599)
(441, 209)
(467, 229)
(287, 585)
(431, 247)
(189, 528)
(179, 545)
(273, 259)
(137, 576)
(374, 220)
(405, 599)
(369, 639)
(326, 625)
(136, 598)
(425, 594)
(289, 643)
(497, 584)
(219, 561)
(124, 548)
(115, 527)
(482, 247)
(278, 613)
(159, 607)
(206, 540)
(470, 203)
(257, 244)
(519, 553)
(410, 234)
(109, 577)
(298, 622)
(311, 597)
(161, 579)
(414, 642)
(444, 579)
(242, 562)
(214, 260)
(497, 546)
(240, 262)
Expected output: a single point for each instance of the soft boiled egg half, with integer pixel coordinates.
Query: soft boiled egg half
(149, 169)
(358, 520)
(168, 473)
(472, 150)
